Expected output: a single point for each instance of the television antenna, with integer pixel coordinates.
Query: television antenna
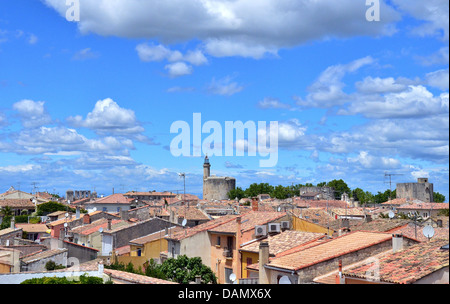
(390, 182)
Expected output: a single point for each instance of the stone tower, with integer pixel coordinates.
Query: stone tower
(422, 190)
(206, 168)
(215, 187)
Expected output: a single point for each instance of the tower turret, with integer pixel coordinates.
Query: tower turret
(206, 168)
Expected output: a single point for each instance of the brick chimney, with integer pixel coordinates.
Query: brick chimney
(109, 224)
(254, 204)
(263, 260)
(340, 279)
(86, 219)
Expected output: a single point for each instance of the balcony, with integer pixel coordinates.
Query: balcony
(228, 253)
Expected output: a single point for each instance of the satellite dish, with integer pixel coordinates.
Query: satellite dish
(279, 209)
(232, 277)
(184, 223)
(391, 214)
(95, 209)
(65, 225)
(428, 231)
(284, 280)
(100, 230)
(67, 214)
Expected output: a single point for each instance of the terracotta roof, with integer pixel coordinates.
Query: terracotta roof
(133, 278)
(411, 231)
(96, 225)
(348, 211)
(17, 203)
(319, 203)
(396, 201)
(380, 225)
(33, 227)
(405, 266)
(333, 248)
(190, 213)
(166, 193)
(317, 216)
(424, 206)
(248, 221)
(283, 241)
(188, 232)
(155, 236)
(111, 199)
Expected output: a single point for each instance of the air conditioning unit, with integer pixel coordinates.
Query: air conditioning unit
(285, 225)
(274, 227)
(260, 230)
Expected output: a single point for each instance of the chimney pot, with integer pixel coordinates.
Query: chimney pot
(397, 242)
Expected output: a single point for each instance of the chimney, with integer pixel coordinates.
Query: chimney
(13, 223)
(198, 279)
(263, 260)
(109, 224)
(254, 204)
(77, 213)
(340, 279)
(397, 242)
(86, 219)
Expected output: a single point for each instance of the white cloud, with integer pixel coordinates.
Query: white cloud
(32, 39)
(438, 79)
(434, 13)
(85, 54)
(272, 103)
(379, 85)
(178, 69)
(327, 90)
(32, 113)
(231, 28)
(224, 86)
(108, 117)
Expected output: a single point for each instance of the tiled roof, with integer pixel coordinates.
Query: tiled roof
(188, 232)
(380, 225)
(9, 230)
(249, 220)
(42, 255)
(133, 278)
(424, 206)
(133, 193)
(34, 228)
(396, 201)
(319, 203)
(348, 211)
(96, 225)
(317, 216)
(414, 232)
(17, 203)
(328, 250)
(111, 199)
(190, 213)
(156, 235)
(283, 241)
(405, 266)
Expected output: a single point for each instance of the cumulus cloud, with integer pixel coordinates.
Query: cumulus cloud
(438, 79)
(178, 69)
(85, 54)
(32, 113)
(231, 28)
(108, 118)
(327, 90)
(272, 103)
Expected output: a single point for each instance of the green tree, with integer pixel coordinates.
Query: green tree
(279, 192)
(256, 189)
(6, 213)
(238, 192)
(438, 198)
(339, 187)
(184, 270)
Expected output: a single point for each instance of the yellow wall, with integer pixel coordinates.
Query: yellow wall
(150, 250)
(299, 224)
(4, 268)
(245, 255)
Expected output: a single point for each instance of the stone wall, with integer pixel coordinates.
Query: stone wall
(216, 188)
(421, 191)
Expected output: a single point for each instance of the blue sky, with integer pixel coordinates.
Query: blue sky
(89, 104)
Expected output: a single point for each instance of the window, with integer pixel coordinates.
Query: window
(218, 241)
(139, 252)
(249, 261)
